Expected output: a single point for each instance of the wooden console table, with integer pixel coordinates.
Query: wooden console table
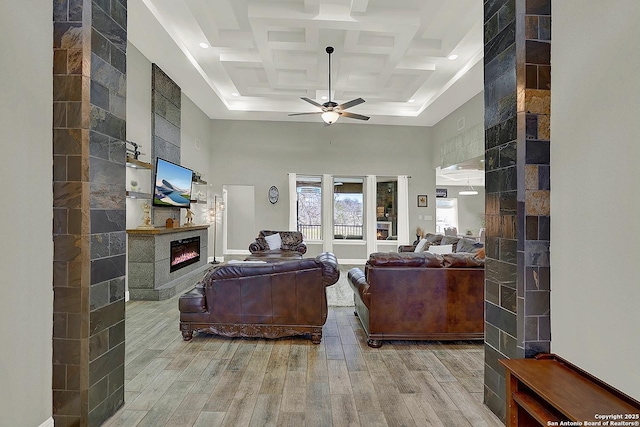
(547, 390)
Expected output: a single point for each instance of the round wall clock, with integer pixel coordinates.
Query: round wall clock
(273, 194)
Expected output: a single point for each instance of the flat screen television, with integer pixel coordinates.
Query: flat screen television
(172, 185)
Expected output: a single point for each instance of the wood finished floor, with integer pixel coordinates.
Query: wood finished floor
(216, 381)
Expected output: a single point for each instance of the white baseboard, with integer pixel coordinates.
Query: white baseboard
(237, 252)
(47, 423)
(352, 261)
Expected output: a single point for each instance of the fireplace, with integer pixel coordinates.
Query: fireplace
(184, 252)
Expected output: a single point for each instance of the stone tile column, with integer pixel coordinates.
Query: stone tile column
(89, 83)
(517, 111)
(166, 115)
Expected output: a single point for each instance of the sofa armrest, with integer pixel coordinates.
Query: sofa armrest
(193, 301)
(330, 268)
(255, 247)
(358, 283)
(301, 248)
(406, 248)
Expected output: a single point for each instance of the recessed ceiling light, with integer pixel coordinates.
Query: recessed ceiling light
(204, 45)
(323, 97)
(235, 94)
(411, 100)
(452, 57)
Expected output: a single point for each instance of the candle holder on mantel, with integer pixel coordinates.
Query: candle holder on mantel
(146, 216)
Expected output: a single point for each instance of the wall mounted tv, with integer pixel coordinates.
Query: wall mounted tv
(172, 185)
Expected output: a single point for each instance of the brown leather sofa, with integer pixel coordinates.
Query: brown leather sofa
(420, 296)
(268, 300)
(292, 245)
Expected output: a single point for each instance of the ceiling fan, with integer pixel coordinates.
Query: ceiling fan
(330, 110)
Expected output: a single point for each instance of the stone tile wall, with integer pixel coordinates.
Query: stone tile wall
(465, 145)
(517, 184)
(166, 113)
(89, 74)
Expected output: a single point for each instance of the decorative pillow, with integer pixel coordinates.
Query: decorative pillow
(274, 241)
(433, 238)
(450, 240)
(420, 246)
(289, 240)
(440, 249)
(468, 245)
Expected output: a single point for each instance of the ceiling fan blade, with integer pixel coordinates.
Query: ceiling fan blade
(351, 103)
(353, 115)
(312, 102)
(302, 114)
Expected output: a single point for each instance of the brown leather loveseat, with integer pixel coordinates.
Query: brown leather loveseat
(268, 300)
(420, 296)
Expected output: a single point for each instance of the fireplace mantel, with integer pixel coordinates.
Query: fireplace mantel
(165, 230)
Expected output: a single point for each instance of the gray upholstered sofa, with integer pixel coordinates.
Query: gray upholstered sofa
(458, 244)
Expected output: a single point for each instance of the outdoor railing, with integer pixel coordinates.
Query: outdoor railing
(340, 231)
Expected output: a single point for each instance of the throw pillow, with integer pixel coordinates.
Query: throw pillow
(289, 239)
(433, 238)
(450, 240)
(274, 241)
(420, 245)
(440, 249)
(468, 245)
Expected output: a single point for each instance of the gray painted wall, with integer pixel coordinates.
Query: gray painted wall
(261, 154)
(26, 306)
(240, 217)
(594, 174)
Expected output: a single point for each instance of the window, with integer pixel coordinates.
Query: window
(386, 208)
(309, 208)
(348, 208)
(446, 214)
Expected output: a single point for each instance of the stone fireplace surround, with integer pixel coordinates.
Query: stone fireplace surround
(149, 252)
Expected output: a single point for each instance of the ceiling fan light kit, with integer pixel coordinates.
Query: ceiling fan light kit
(331, 111)
(330, 117)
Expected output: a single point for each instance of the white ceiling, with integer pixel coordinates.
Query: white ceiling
(266, 54)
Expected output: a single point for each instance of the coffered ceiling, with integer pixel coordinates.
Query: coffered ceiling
(264, 55)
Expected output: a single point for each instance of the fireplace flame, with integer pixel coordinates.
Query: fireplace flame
(184, 257)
